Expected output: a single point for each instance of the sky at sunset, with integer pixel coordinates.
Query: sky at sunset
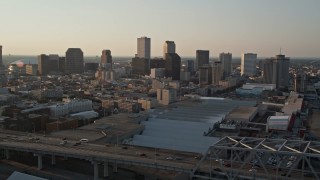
(32, 27)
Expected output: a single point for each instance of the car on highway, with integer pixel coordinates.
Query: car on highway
(84, 140)
(289, 164)
(63, 142)
(169, 158)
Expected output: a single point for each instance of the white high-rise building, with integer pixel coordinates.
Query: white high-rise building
(226, 60)
(169, 47)
(144, 48)
(248, 64)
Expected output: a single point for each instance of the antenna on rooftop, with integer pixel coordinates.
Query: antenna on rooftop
(280, 51)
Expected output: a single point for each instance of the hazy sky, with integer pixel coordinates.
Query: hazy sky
(31, 27)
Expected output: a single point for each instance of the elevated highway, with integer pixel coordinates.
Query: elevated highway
(230, 158)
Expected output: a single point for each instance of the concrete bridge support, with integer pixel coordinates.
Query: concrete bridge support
(95, 170)
(105, 169)
(40, 166)
(115, 167)
(53, 160)
(7, 153)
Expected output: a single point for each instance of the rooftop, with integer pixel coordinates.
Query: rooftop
(242, 112)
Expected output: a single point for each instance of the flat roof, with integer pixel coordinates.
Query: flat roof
(279, 117)
(242, 112)
(117, 125)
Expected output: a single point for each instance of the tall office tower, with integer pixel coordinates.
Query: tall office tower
(43, 64)
(190, 66)
(299, 82)
(144, 48)
(74, 61)
(106, 59)
(169, 47)
(248, 64)
(140, 66)
(173, 65)
(2, 68)
(157, 63)
(202, 58)
(62, 64)
(205, 74)
(276, 71)
(54, 63)
(226, 60)
(217, 72)
(1, 63)
(3, 78)
(267, 71)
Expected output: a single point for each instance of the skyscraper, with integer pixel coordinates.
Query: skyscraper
(144, 48)
(169, 47)
(106, 59)
(205, 74)
(248, 64)
(276, 71)
(1, 63)
(226, 60)
(74, 61)
(202, 58)
(299, 81)
(140, 66)
(43, 64)
(54, 62)
(3, 78)
(190, 66)
(217, 72)
(267, 71)
(173, 65)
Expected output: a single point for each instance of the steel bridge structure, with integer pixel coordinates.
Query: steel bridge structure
(260, 158)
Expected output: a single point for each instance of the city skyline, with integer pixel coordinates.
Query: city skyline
(37, 27)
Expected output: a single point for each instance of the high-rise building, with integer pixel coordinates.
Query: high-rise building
(299, 82)
(2, 68)
(226, 60)
(217, 72)
(144, 48)
(62, 64)
(157, 63)
(43, 64)
(91, 66)
(267, 71)
(276, 71)
(31, 69)
(1, 63)
(169, 47)
(205, 74)
(3, 78)
(140, 66)
(190, 66)
(106, 59)
(54, 63)
(157, 72)
(74, 61)
(248, 64)
(202, 58)
(166, 96)
(173, 65)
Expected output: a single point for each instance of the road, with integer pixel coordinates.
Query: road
(163, 159)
